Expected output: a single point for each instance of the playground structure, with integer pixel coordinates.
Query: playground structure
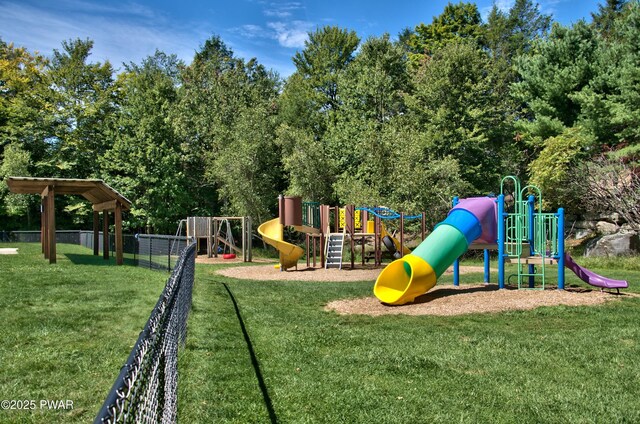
(217, 233)
(102, 197)
(525, 236)
(328, 229)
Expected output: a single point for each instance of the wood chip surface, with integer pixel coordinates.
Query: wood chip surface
(472, 299)
(270, 273)
(442, 300)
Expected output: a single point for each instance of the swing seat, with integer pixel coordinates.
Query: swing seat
(229, 256)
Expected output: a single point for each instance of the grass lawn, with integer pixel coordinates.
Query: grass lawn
(67, 328)
(553, 364)
(268, 352)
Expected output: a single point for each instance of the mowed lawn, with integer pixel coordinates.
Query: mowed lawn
(268, 351)
(67, 329)
(285, 359)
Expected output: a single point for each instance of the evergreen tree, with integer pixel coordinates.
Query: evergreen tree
(458, 22)
(604, 19)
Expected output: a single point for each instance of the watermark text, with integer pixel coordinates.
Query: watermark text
(32, 404)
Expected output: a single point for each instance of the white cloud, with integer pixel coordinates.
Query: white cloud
(291, 34)
(277, 13)
(250, 31)
(129, 33)
(503, 5)
(282, 10)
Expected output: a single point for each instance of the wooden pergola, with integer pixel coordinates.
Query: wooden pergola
(103, 198)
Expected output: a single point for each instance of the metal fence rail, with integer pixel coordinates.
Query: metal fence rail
(146, 250)
(146, 391)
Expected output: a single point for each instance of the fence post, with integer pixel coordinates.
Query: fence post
(150, 250)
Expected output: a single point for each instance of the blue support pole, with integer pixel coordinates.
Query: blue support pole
(532, 209)
(501, 241)
(487, 271)
(456, 263)
(561, 249)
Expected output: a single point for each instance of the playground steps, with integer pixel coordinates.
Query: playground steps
(494, 246)
(333, 257)
(533, 260)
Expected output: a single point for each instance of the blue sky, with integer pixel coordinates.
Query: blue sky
(270, 30)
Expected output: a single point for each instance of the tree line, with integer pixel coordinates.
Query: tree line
(443, 109)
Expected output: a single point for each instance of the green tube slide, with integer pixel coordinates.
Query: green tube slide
(413, 275)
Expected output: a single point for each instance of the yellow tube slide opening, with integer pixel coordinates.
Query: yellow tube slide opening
(403, 280)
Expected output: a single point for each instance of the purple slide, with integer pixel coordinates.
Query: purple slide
(591, 277)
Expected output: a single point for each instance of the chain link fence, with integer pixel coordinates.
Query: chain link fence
(146, 250)
(146, 391)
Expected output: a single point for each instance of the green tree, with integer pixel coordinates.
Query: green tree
(420, 181)
(512, 34)
(310, 171)
(458, 22)
(604, 19)
(552, 170)
(618, 88)
(25, 119)
(372, 92)
(224, 114)
(308, 107)
(83, 96)
(145, 161)
(462, 116)
(15, 162)
(25, 115)
(326, 54)
(247, 170)
(564, 64)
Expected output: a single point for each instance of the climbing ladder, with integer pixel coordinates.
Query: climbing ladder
(531, 238)
(333, 250)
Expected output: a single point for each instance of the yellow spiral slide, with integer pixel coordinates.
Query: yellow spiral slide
(272, 233)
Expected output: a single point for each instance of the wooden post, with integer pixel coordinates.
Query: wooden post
(324, 226)
(43, 225)
(250, 241)
(209, 237)
(424, 225)
(314, 248)
(51, 224)
(216, 230)
(96, 233)
(44, 230)
(118, 219)
(350, 226)
(105, 234)
(244, 240)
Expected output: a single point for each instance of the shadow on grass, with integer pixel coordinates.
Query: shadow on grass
(254, 360)
(77, 259)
